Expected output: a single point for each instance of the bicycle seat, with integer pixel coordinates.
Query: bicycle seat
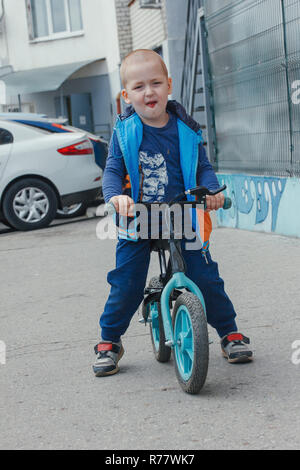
(157, 245)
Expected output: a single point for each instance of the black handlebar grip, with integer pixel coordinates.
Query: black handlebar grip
(227, 203)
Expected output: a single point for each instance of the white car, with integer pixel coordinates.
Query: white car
(41, 172)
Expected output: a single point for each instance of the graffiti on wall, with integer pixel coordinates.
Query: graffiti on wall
(255, 201)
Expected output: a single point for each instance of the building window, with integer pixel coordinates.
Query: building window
(53, 18)
(150, 3)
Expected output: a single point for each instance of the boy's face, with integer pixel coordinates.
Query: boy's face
(147, 89)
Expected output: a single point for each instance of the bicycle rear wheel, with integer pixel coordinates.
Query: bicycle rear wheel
(191, 351)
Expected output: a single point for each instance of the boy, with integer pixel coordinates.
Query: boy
(153, 148)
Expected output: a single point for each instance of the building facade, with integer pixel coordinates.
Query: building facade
(61, 58)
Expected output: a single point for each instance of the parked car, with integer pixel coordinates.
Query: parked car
(42, 171)
(41, 121)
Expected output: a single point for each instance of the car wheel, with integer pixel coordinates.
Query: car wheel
(75, 210)
(29, 204)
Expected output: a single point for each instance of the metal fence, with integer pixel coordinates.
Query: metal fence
(254, 57)
(190, 40)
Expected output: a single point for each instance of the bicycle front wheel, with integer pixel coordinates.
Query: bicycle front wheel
(191, 351)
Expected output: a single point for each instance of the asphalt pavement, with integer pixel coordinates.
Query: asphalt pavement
(53, 288)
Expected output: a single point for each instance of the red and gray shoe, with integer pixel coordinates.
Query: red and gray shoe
(108, 356)
(234, 347)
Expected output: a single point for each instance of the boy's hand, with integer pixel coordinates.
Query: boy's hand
(214, 202)
(124, 205)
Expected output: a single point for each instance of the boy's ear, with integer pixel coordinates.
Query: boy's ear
(170, 85)
(125, 96)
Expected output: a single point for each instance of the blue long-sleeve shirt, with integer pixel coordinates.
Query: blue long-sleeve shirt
(115, 172)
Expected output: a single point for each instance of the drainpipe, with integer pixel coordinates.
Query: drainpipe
(62, 111)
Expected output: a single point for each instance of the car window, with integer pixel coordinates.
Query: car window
(34, 127)
(5, 137)
(22, 132)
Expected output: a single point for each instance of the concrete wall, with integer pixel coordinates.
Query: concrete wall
(124, 27)
(262, 203)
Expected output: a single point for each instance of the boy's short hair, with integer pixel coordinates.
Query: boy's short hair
(141, 53)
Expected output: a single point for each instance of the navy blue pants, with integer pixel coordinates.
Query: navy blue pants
(128, 281)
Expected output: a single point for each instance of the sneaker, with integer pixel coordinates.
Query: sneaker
(235, 349)
(108, 356)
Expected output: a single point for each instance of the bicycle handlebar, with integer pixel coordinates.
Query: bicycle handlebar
(227, 203)
(200, 191)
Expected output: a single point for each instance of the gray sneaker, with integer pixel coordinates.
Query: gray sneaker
(234, 347)
(108, 356)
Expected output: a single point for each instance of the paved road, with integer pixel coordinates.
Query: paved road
(53, 286)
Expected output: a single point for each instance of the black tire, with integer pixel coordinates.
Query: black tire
(161, 352)
(4, 222)
(199, 364)
(71, 212)
(44, 217)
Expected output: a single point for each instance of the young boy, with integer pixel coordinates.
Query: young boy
(153, 151)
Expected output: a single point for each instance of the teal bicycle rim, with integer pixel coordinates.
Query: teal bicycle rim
(184, 343)
(154, 324)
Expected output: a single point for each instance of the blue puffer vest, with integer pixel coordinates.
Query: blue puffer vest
(129, 130)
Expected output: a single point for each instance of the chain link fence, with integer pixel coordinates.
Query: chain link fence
(254, 58)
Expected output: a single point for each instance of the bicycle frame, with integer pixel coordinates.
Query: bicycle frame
(178, 280)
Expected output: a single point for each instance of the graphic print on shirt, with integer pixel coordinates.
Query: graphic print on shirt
(155, 177)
